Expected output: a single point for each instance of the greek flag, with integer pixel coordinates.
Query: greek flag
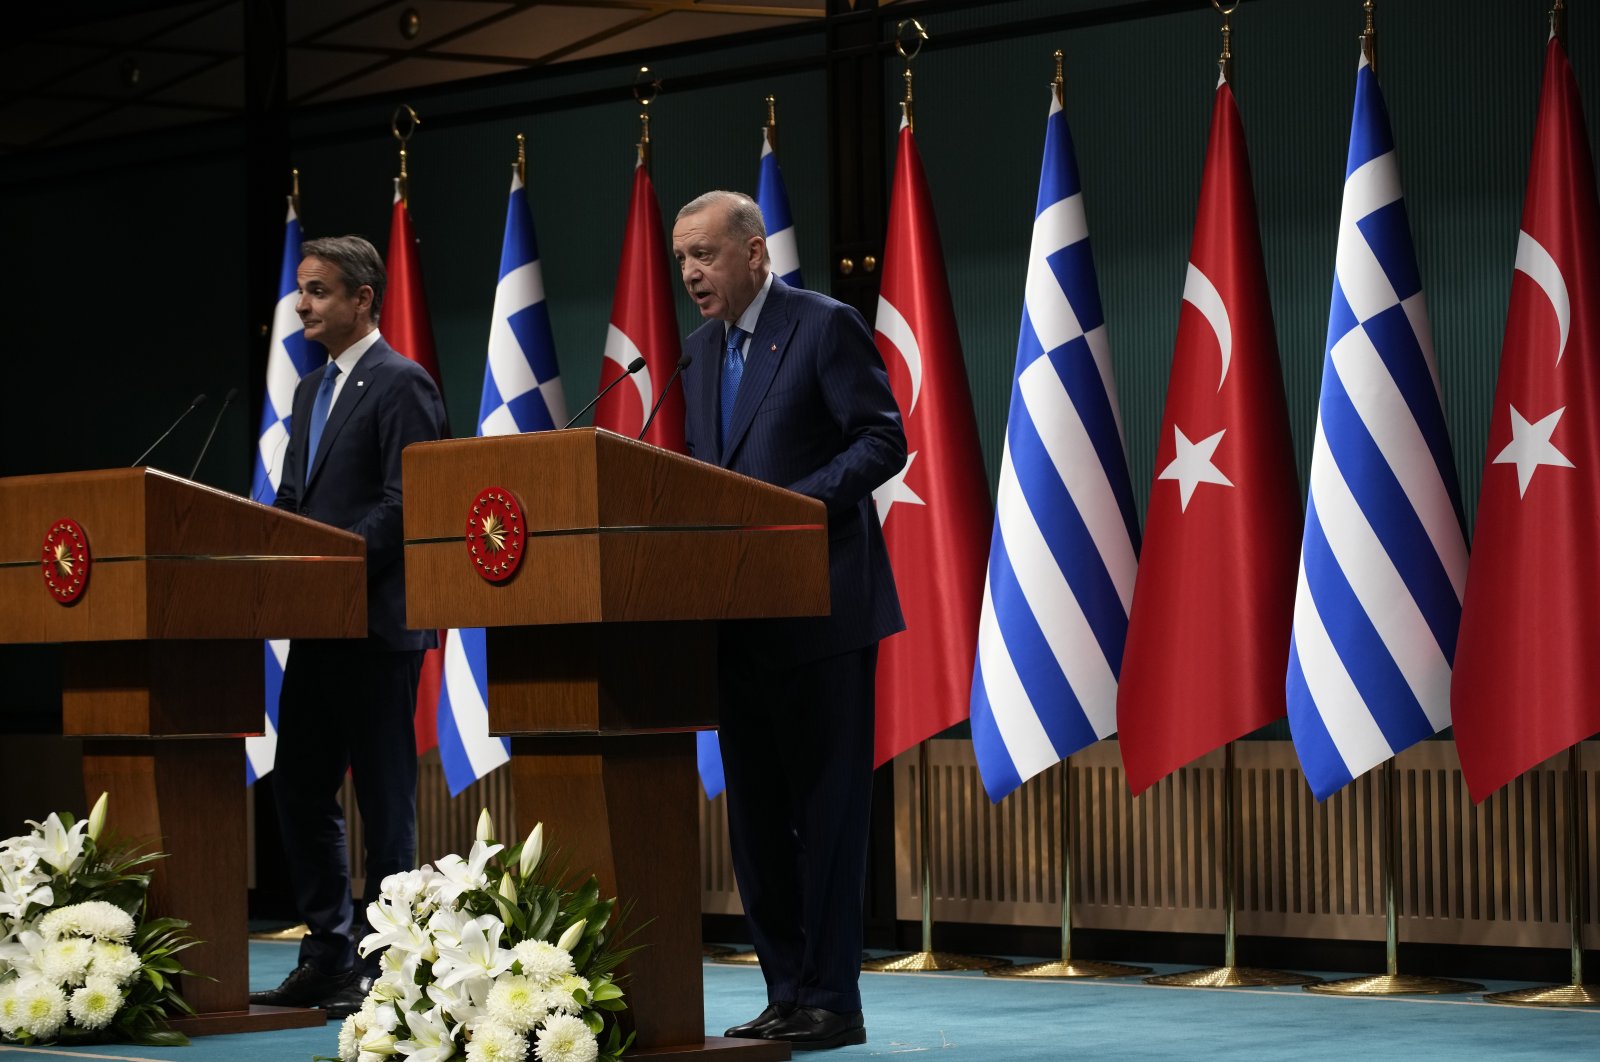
(773, 199)
(1064, 552)
(521, 392)
(1384, 559)
(289, 357)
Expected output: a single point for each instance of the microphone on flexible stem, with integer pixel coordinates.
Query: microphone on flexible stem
(199, 400)
(227, 399)
(633, 366)
(683, 363)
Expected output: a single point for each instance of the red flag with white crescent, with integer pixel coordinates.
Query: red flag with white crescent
(1213, 604)
(404, 322)
(644, 323)
(1527, 677)
(936, 512)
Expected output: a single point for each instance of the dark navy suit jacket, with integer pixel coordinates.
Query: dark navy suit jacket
(387, 403)
(814, 414)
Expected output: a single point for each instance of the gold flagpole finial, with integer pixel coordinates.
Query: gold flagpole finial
(412, 124)
(1059, 85)
(294, 190)
(771, 128)
(908, 29)
(1558, 21)
(645, 89)
(1369, 37)
(522, 158)
(1225, 60)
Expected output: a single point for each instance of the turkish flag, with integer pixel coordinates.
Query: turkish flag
(936, 512)
(404, 322)
(1213, 604)
(1527, 676)
(644, 323)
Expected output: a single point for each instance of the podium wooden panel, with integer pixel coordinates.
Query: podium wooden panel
(162, 676)
(602, 661)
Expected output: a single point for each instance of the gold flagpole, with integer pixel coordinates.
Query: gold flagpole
(927, 959)
(645, 89)
(294, 190)
(1576, 993)
(1066, 966)
(403, 182)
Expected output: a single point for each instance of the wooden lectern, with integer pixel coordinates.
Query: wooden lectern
(602, 657)
(159, 591)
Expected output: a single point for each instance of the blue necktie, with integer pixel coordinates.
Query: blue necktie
(732, 373)
(319, 411)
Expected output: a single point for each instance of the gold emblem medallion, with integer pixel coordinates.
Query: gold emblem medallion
(495, 534)
(65, 559)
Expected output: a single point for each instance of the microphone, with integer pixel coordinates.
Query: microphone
(227, 400)
(266, 482)
(683, 363)
(199, 400)
(634, 366)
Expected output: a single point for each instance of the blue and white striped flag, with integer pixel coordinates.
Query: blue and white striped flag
(1064, 552)
(1384, 559)
(289, 357)
(773, 199)
(521, 392)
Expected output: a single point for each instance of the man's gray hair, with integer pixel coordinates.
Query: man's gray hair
(357, 260)
(744, 215)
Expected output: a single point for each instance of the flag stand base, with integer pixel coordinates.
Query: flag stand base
(1064, 969)
(1395, 984)
(1229, 977)
(739, 958)
(931, 961)
(1548, 996)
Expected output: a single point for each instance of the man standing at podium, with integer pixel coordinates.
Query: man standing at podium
(346, 703)
(787, 386)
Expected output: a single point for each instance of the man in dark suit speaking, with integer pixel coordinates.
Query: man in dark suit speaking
(786, 386)
(349, 704)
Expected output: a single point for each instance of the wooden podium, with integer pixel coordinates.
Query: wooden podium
(162, 673)
(602, 658)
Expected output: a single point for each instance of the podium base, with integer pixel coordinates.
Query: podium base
(256, 1019)
(717, 1049)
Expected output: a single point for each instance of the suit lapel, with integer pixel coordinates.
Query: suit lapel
(767, 347)
(350, 395)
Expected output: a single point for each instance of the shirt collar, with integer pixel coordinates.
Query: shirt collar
(747, 320)
(353, 352)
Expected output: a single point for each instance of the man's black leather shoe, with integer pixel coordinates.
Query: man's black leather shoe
(815, 1029)
(306, 986)
(348, 999)
(752, 1029)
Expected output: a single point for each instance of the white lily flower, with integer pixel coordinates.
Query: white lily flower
(532, 849)
(574, 933)
(485, 826)
(59, 845)
(478, 955)
(464, 875)
(432, 1038)
(392, 927)
(508, 889)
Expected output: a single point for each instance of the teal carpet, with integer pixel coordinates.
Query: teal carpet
(972, 1018)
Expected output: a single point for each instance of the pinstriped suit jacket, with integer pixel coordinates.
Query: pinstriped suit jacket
(814, 414)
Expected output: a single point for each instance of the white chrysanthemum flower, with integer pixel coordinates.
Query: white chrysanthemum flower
(96, 1003)
(566, 1039)
(10, 1008)
(94, 918)
(116, 961)
(66, 961)
(494, 1042)
(543, 961)
(348, 1036)
(517, 1002)
(563, 994)
(43, 1008)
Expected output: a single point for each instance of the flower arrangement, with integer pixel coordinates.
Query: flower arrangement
(490, 958)
(79, 959)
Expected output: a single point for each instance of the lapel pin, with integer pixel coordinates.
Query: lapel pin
(361, 383)
(774, 346)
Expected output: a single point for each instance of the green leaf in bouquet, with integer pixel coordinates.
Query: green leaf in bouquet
(594, 1021)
